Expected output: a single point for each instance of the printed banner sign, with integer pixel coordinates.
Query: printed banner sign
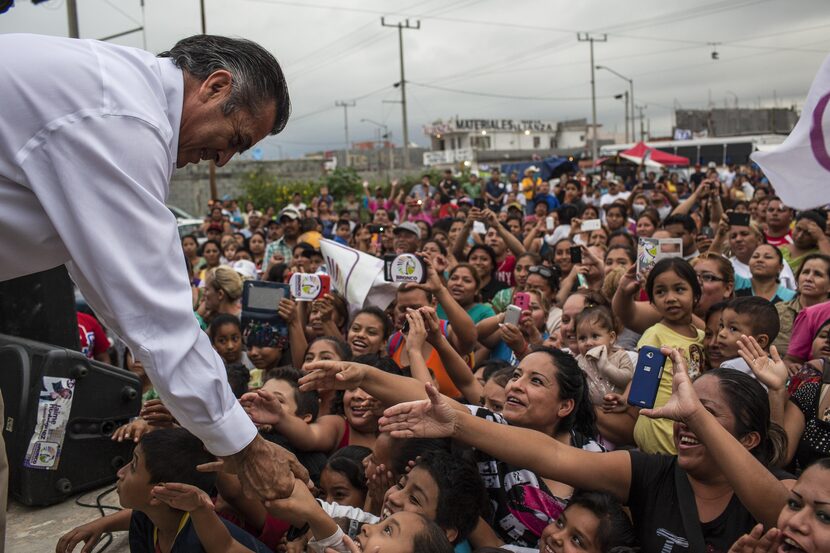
(54, 405)
(357, 275)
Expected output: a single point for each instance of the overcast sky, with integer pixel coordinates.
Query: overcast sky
(337, 50)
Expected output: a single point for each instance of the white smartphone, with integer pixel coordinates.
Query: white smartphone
(479, 227)
(512, 314)
(591, 224)
(549, 223)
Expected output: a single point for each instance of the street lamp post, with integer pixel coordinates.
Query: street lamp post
(630, 96)
(385, 137)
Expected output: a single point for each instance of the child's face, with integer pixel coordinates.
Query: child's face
(362, 410)
(321, 350)
(494, 396)
(673, 297)
(803, 519)
(134, 486)
(574, 531)
(228, 342)
(416, 492)
(589, 335)
(710, 341)
(821, 344)
(338, 489)
(732, 326)
(394, 534)
(366, 334)
(264, 357)
(284, 393)
(344, 231)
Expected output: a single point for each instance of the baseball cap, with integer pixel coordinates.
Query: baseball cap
(289, 212)
(245, 268)
(408, 227)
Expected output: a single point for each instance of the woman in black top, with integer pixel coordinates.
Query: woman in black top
(703, 499)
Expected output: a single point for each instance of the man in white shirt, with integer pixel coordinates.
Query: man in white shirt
(90, 136)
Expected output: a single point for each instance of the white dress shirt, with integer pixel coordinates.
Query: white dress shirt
(88, 142)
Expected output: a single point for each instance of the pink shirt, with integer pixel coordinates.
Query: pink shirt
(806, 324)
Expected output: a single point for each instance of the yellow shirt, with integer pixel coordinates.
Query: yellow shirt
(527, 187)
(657, 435)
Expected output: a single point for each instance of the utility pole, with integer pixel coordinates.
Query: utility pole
(345, 104)
(587, 37)
(401, 27)
(212, 167)
(642, 128)
(72, 18)
(624, 97)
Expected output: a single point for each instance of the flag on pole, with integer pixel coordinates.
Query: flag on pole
(357, 275)
(799, 168)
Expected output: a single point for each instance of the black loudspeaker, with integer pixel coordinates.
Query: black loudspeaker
(41, 307)
(45, 388)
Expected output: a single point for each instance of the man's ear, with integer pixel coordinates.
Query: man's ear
(216, 86)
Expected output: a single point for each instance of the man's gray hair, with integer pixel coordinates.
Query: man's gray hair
(257, 76)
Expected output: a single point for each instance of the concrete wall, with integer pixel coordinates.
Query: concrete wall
(190, 186)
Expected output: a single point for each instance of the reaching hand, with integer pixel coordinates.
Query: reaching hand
(263, 407)
(89, 533)
(614, 403)
(156, 414)
(433, 284)
(287, 309)
(629, 285)
(772, 373)
(183, 497)
(133, 430)
(349, 544)
(514, 338)
(266, 471)
(325, 307)
(683, 403)
(427, 418)
(432, 324)
(333, 375)
(757, 541)
(417, 334)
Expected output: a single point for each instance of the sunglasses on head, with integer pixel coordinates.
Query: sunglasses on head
(541, 270)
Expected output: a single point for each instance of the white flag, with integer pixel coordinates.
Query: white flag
(357, 275)
(799, 168)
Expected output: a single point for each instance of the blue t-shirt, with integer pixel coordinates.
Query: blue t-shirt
(142, 537)
(743, 287)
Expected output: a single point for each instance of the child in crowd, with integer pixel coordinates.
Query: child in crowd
(494, 393)
(166, 504)
(673, 289)
(225, 332)
(343, 480)
(609, 369)
(711, 350)
(746, 316)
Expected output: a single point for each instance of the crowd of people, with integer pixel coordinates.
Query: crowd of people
(437, 423)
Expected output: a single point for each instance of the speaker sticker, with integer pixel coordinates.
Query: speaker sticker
(54, 405)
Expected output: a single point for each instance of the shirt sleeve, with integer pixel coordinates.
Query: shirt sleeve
(102, 181)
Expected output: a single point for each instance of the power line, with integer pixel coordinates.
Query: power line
(505, 96)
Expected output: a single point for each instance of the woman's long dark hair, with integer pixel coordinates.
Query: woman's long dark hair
(573, 384)
(749, 404)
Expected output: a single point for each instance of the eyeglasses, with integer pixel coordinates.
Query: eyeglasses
(709, 277)
(541, 270)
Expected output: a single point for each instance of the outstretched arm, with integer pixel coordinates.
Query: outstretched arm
(549, 458)
(756, 487)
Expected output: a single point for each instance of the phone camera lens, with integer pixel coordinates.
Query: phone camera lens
(650, 355)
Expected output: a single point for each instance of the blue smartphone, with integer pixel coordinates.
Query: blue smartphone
(647, 375)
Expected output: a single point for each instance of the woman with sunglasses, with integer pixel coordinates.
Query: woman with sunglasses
(546, 280)
(717, 281)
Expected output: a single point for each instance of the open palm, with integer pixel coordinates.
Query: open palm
(772, 373)
(683, 402)
(427, 418)
(263, 407)
(332, 375)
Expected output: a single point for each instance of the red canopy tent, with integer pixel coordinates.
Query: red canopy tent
(653, 156)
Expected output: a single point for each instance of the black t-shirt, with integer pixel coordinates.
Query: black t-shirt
(142, 537)
(657, 505)
(491, 289)
(815, 440)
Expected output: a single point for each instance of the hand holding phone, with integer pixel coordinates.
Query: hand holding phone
(512, 315)
(647, 375)
(522, 300)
